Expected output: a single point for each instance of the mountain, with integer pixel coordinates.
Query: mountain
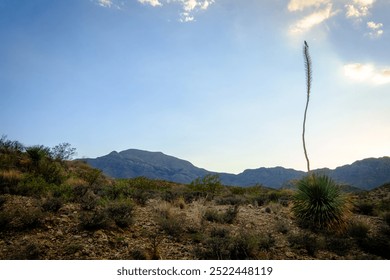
(364, 174)
(155, 165)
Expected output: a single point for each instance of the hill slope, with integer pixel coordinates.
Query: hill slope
(365, 174)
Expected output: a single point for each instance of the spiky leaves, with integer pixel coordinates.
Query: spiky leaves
(320, 204)
(308, 73)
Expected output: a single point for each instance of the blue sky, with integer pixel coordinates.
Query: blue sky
(217, 82)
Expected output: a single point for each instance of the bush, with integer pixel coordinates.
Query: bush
(121, 212)
(93, 220)
(227, 217)
(386, 218)
(9, 179)
(304, 241)
(20, 215)
(358, 230)
(378, 245)
(52, 204)
(364, 208)
(208, 185)
(339, 245)
(319, 203)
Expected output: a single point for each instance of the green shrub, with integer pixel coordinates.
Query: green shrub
(208, 185)
(93, 220)
(32, 185)
(364, 208)
(378, 245)
(386, 218)
(304, 241)
(358, 229)
(52, 204)
(339, 245)
(19, 216)
(141, 196)
(319, 203)
(121, 212)
(27, 251)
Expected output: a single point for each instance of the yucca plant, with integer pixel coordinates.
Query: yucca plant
(318, 202)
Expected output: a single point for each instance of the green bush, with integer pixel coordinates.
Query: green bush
(19, 217)
(364, 208)
(208, 185)
(304, 241)
(93, 220)
(52, 204)
(339, 245)
(358, 230)
(121, 212)
(319, 203)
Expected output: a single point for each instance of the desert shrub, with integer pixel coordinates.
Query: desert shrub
(386, 218)
(2, 201)
(89, 200)
(168, 220)
(244, 246)
(93, 220)
(73, 248)
(208, 186)
(378, 245)
(137, 254)
(121, 212)
(141, 196)
(260, 200)
(9, 179)
(364, 208)
(338, 244)
(52, 204)
(216, 245)
(19, 216)
(319, 203)
(304, 241)
(357, 229)
(282, 226)
(230, 200)
(227, 216)
(28, 250)
(32, 185)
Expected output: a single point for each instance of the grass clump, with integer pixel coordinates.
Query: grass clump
(319, 204)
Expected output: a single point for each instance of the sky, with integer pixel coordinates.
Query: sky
(219, 83)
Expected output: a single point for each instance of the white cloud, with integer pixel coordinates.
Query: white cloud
(359, 8)
(367, 73)
(375, 29)
(105, 3)
(312, 20)
(188, 7)
(153, 3)
(299, 5)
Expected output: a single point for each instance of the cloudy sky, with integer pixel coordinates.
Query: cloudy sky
(217, 82)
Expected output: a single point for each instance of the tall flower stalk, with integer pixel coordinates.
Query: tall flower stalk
(308, 73)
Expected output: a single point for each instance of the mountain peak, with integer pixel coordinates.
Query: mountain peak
(366, 174)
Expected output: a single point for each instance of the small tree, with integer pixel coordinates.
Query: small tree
(63, 151)
(207, 185)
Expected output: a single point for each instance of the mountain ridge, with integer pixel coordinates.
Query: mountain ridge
(364, 174)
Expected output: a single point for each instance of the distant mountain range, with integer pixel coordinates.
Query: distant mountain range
(364, 174)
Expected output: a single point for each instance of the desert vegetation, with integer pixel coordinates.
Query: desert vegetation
(52, 207)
